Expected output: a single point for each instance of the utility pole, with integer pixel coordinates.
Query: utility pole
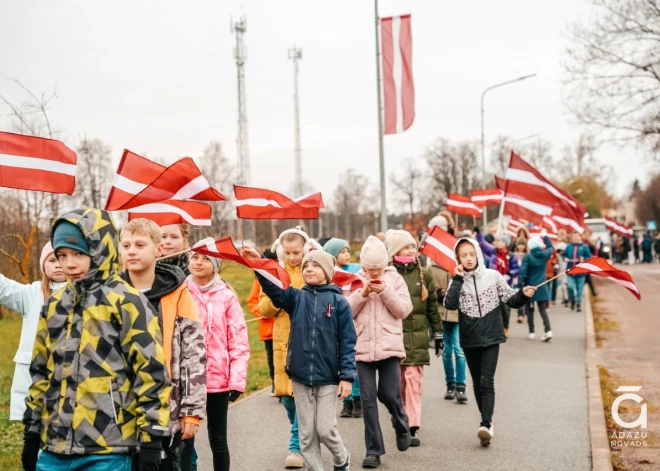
(381, 152)
(295, 54)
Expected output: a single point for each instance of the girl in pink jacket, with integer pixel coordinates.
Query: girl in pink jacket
(227, 348)
(378, 309)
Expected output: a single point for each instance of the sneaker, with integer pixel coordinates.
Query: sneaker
(294, 461)
(564, 303)
(520, 319)
(414, 438)
(485, 434)
(347, 409)
(461, 397)
(531, 336)
(357, 407)
(451, 392)
(547, 336)
(272, 391)
(572, 305)
(345, 466)
(403, 440)
(579, 307)
(371, 462)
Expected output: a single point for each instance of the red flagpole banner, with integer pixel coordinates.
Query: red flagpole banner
(36, 164)
(398, 87)
(259, 203)
(600, 267)
(462, 205)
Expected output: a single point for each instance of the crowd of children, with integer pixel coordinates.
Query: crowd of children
(116, 370)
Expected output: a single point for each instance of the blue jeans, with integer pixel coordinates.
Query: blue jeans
(355, 392)
(576, 283)
(290, 406)
(57, 462)
(453, 348)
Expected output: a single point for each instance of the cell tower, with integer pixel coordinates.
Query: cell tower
(240, 54)
(295, 54)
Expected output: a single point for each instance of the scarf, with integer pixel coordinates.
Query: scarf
(214, 281)
(502, 262)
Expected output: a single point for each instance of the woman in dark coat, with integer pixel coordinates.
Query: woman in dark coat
(533, 273)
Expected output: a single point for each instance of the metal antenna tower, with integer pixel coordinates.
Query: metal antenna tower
(295, 54)
(240, 54)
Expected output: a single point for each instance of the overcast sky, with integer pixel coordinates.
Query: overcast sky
(159, 77)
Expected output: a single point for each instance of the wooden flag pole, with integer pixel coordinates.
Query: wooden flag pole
(557, 276)
(240, 231)
(175, 254)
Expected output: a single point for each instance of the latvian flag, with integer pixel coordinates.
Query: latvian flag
(259, 203)
(439, 247)
(462, 205)
(346, 281)
(483, 198)
(174, 212)
(601, 267)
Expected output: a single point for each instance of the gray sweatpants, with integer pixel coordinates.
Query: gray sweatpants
(317, 423)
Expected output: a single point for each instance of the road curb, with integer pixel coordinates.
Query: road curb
(601, 456)
(245, 399)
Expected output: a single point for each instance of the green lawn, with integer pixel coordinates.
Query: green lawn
(11, 433)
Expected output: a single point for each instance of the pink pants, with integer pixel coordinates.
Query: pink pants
(412, 382)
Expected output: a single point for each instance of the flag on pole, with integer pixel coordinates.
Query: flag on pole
(258, 203)
(134, 174)
(521, 208)
(439, 247)
(500, 183)
(483, 198)
(621, 229)
(36, 164)
(224, 248)
(174, 212)
(398, 88)
(601, 267)
(462, 205)
(346, 281)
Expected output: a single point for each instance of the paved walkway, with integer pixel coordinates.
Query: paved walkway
(540, 415)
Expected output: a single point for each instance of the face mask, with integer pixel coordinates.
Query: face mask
(404, 260)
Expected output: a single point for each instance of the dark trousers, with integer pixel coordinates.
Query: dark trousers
(554, 284)
(505, 311)
(269, 357)
(217, 405)
(543, 305)
(482, 363)
(388, 391)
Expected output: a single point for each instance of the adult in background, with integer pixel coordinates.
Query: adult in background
(576, 252)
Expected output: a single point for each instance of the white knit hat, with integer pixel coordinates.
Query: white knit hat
(535, 242)
(395, 240)
(439, 221)
(373, 254)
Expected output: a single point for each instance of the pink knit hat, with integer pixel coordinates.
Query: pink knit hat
(373, 255)
(45, 253)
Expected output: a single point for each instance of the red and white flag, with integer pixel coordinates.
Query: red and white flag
(601, 267)
(224, 248)
(398, 88)
(549, 225)
(439, 247)
(500, 183)
(514, 226)
(462, 205)
(258, 203)
(485, 197)
(346, 281)
(621, 229)
(565, 217)
(521, 208)
(36, 164)
(174, 212)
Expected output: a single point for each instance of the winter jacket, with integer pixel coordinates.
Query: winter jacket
(477, 296)
(532, 271)
(551, 265)
(183, 344)
(441, 279)
(322, 342)
(281, 330)
(265, 324)
(378, 317)
(99, 383)
(352, 267)
(576, 252)
(423, 315)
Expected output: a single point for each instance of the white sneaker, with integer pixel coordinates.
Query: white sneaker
(485, 434)
(547, 336)
(531, 336)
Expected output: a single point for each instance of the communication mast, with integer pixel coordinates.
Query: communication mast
(240, 54)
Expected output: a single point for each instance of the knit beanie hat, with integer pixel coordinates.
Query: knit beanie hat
(439, 221)
(66, 234)
(209, 241)
(373, 254)
(325, 261)
(334, 246)
(535, 242)
(395, 240)
(45, 253)
(504, 238)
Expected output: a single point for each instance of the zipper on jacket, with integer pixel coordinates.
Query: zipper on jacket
(311, 364)
(112, 402)
(481, 315)
(232, 328)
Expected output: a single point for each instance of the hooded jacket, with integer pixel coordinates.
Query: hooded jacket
(533, 270)
(477, 296)
(98, 372)
(183, 344)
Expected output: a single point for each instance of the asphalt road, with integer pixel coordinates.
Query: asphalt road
(540, 416)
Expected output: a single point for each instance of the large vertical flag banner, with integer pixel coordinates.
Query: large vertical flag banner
(398, 87)
(36, 164)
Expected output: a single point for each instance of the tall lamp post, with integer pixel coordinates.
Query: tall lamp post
(483, 141)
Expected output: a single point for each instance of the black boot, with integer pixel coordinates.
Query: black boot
(579, 307)
(572, 305)
(451, 392)
(347, 410)
(403, 440)
(371, 462)
(357, 407)
(460, 393)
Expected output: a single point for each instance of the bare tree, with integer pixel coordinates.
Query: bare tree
(219, 172)
(613, 76)
(577, 159)
(407, 184)
(539, 154)
(93, 172)
(501, 154)
(349, 199)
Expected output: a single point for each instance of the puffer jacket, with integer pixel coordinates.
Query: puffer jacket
(99, 383)
(378, 317)
(477, 297)
(281, 330)
(424, 315)
(183, 344)
(322, 342)
(533, 271)
(441, 279)
(227, 347)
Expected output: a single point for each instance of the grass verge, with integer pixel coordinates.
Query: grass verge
(602, 323)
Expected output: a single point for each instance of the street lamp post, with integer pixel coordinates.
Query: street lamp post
(483, 142)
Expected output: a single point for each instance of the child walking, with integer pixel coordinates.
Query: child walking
(477, 292)
(402, 248)
(227, 348)
(27, 300)
(378, 309)
(321, 359)
(99, 388)
(534, 272)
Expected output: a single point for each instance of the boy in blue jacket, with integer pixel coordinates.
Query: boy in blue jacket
(576, 252)
(321, 356)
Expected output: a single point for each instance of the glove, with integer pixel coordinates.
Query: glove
(31, 444)
(439, 344)
(150, 455)
(477, 230)
(233, 395)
